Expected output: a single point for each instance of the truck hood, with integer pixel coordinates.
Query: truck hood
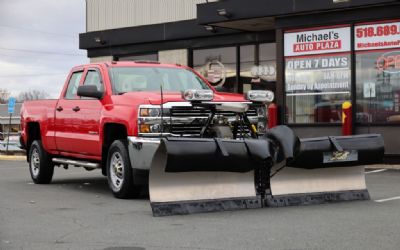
(155, 97)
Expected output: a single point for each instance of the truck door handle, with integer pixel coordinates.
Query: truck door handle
(59, 108)
(76, 109)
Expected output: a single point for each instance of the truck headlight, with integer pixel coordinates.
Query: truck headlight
(262, 119)
(150, 112)
(150, 128)
(150, 119)
(197, 95)
(261, 127)
(261, 111)
(155, 128)
(260, 95)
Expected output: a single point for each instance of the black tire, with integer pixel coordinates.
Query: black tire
(40, 166)
(119, 171)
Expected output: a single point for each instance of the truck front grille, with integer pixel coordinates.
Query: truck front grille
(197, 118)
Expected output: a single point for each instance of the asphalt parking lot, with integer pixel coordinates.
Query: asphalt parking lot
(77, 211)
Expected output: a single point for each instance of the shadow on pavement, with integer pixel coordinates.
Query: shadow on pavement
(97, 185)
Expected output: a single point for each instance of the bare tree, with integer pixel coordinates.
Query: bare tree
(32, 95)
(4, 94)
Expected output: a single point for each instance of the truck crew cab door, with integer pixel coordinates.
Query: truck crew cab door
(88, 112)
(80, 116)
(66, 125)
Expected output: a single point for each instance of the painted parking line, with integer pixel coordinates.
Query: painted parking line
(389, 199)
(375, 171)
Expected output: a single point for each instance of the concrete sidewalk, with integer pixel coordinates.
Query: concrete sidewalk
(386, 166)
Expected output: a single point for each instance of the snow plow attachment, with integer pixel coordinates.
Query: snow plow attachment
(192, 175)
(326, 169)
(203, 175)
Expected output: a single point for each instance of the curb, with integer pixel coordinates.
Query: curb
(385, 166)
(12, 157)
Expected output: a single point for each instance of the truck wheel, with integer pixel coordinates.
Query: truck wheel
(119, 171)
(40, 165)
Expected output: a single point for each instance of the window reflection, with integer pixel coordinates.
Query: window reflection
(378, 86)
(218, 66)
(258, 66)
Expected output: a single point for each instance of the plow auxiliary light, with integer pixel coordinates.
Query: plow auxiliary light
(260, 96)
(193, 95)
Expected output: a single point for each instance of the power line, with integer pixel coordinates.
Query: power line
(38, 31)
(43, 57)
(31, 75)
(43, 52)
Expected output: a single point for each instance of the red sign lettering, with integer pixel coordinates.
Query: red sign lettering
(317, 46)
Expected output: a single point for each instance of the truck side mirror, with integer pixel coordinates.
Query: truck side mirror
(90, 91)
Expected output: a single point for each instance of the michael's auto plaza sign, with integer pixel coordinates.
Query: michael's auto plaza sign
(322, 41)
(377, 36)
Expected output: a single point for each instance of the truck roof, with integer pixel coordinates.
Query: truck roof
(140, 63)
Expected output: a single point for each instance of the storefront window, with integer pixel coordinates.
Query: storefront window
(218, 66)
(258, 66)
(378, 72)
(317, 75)
(316, 87)
(247, 63)
(267, 55)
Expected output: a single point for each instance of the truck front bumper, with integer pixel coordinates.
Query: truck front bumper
(141, 151)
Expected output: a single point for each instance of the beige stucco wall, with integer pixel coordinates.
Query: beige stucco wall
(101, 59)
(111, 14)
(179, 56)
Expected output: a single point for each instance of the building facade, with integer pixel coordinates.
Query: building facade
(314, 54)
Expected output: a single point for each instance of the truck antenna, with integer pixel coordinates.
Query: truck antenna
(162, 107)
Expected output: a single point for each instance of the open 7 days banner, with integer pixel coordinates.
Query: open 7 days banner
(317, 62)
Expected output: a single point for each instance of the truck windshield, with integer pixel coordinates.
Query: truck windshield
(132, 79)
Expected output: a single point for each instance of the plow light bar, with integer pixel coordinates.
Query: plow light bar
(197, 95)
(260, 95)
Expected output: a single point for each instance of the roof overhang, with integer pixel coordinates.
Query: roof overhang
(258, 15)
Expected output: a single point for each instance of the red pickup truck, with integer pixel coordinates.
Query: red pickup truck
(112, 115)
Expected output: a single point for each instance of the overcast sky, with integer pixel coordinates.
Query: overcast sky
(39, 43)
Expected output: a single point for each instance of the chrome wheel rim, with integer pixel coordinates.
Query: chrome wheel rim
(35, 162)
(116, 171)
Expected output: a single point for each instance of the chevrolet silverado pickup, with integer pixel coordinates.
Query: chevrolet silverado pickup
(111, 116)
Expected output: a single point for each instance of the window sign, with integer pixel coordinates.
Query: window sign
(377, 36)
(313, 42)
(377, 48)
(317, 74)
(369, 90)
